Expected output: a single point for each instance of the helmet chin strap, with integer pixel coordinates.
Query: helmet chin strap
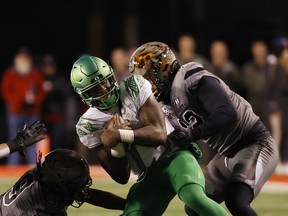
(112, 101)
(165, 94)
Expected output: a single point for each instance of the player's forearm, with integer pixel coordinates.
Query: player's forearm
(150, 136)
(105, 199)
(146, 136)
(220, 120)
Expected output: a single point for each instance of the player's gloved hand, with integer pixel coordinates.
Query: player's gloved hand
(178, 135)
(195, 150)
(27, 136)
(181, 139)
(181, 136)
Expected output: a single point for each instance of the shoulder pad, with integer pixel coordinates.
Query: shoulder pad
(133, 84)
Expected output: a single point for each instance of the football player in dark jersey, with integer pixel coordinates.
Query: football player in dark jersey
(28, 135)
(208, 109)
(62, 179)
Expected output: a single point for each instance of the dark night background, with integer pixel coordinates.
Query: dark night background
(69, 28)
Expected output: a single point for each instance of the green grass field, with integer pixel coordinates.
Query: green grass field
(266, 204)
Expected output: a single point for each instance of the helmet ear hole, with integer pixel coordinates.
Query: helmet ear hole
(175, 67)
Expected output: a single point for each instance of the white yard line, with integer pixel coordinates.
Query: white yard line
(275, 187)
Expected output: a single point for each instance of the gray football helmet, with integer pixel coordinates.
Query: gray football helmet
(157, 63)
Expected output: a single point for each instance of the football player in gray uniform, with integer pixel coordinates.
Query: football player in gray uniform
(207, 109)
(61, 180)
(126, 121)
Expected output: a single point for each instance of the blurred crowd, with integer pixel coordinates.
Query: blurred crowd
(36, 89)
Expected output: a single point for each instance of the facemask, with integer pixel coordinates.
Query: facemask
(23, 68)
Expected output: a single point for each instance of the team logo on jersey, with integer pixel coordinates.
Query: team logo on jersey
(87, 125)
(177, 101)
(84, 127)
(19, 188)
(80, 132)
(189, 119)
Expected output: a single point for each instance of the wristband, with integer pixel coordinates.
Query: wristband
(126, 136)
(13, 146)
(4, 150)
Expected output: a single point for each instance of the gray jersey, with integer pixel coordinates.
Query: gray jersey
(29, 197)
(190, 112)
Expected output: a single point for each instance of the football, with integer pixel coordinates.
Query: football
(118, 150)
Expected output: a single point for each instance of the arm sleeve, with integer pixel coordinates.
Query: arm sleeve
(90, 139)
(90, 127)
(217, 102)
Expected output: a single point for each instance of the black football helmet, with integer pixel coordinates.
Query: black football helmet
(67, 173)
(156, 62)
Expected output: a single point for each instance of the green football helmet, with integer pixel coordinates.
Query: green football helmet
(89, 74)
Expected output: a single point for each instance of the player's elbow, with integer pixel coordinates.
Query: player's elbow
(233, 116)
(121, 179)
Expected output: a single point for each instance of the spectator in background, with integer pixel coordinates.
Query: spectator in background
(23, 93)
(224, 68)
(256, 80)
(54, 104)
(119, 61)
(187, 51)
(281, 95)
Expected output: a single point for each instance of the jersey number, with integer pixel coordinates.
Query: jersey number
(190, 119)
(18, 188)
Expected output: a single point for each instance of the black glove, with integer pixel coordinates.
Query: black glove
(27, 136)
(180, 137)
(195, 150)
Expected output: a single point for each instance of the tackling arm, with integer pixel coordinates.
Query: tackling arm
(105, 199)
(217, 102)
